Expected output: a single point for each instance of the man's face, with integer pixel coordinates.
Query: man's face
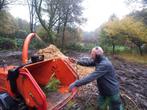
(93, 54)
(97, 51)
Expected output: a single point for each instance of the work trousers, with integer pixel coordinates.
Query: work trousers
(110, 102)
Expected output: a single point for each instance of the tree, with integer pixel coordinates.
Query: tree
(5, 3)
(44, 8)
(72, 11)
(32, 13)
(111, 31)
(72, 36)
(135, 30)
(23, 28)
(7, 23)
(140, 15)
(140, 3)
(58, 15)
(121, 31)
(22, 24)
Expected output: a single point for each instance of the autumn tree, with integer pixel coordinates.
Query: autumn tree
(124, 30)
(135, 30)
(111, 32)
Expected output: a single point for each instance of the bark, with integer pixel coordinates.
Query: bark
(64, 27)
(113, 46)
(38, 12)
(140, 50)
(63, 36)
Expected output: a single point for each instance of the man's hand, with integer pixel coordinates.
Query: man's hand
(73, 60)
(72, 85)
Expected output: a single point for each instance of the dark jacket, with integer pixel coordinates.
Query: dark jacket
(104, 74)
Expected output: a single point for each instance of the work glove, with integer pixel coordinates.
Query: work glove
(73, 85)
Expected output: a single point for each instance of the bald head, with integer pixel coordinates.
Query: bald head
(96, 51)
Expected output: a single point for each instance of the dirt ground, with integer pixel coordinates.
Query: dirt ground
(132, 78)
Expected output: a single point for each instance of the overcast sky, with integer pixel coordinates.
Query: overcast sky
(96, 12)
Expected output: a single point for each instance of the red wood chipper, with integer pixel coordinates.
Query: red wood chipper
(20, 86)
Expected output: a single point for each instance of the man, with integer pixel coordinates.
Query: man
(106, 79)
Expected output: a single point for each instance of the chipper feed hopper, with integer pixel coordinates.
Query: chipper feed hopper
(21, 86)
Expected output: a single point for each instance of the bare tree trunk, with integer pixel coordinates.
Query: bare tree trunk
(64, 27)
(140, 50)
(31, 17)
(113, 46)
(58, 27)
(31, 4)
(63, 37)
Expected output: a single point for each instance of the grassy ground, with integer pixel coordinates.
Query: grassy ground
(134, 57)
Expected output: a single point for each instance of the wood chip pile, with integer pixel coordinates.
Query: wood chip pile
(52, 52)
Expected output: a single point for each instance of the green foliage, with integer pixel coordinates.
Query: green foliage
(19, 43)
(118, 49)
(34, 44)
(53, 85)
(41, 32)
(75, 46)
(7, 23)
(6, 43)
(21, 34)
(80, 47)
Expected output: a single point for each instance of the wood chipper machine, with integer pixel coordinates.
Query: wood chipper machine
(21, 86)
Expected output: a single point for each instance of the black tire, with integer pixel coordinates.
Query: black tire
(2, 106)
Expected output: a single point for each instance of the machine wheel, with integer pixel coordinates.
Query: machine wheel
(2, 106)
(7, 102)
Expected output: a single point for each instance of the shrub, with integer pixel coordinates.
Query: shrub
(6, 43)
(37, 44)
(80, 47)
(34, 44)
(21, 34)
(118, 49)
(19, 43)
